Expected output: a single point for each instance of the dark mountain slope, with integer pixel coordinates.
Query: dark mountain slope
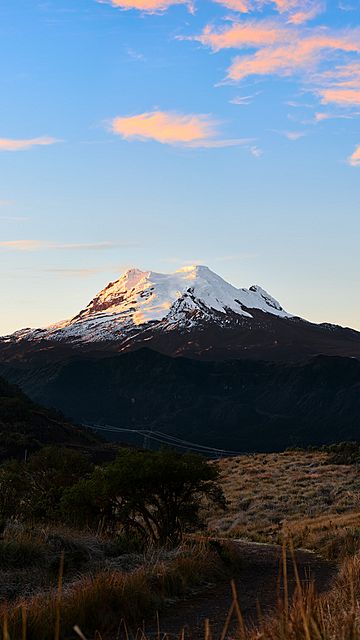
(263, 337)
(239, 405)
(28, 426)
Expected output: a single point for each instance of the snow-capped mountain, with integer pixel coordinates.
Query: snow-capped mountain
(139, 299)
(192, 312)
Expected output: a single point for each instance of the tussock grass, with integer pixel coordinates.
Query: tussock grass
(332, 616)
(295, 491)
(100, 602)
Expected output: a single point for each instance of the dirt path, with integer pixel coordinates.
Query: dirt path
(257, 586)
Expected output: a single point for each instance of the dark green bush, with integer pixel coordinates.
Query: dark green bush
(154, 495)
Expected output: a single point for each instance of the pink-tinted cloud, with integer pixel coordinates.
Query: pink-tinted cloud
(341, 86)
(296, 11)
(342, 97)
(147, 6)
(184, 130)
(165, 127)
(306, 14)
(291, 57)
(242, 6)
(11, 144)
(321, 116)
(300, 11)
(254, 33)
(354, 159)
(42, 245)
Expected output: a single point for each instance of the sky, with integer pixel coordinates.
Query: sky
(159, 133)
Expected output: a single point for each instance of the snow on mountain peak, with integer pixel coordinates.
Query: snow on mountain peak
(182, 298)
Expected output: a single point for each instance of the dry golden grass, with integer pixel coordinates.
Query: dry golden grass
(332, 616)
(308, 616)
(293, 491)
(102, 601)
(295, 494)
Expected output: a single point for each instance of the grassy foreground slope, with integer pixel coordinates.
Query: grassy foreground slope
(303, 493)
(306, 496)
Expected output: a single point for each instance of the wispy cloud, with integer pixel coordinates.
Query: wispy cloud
(12, 144)
(354, 159)
(252, 33)
(43, 245)
(291, 57)
(340, 86)
(147, 6)
(294, 135)
(321, 116)
(165, 127)
(172, 128)
(345, 6)
(305, 12)
(299, 105)
(220, 144)
(281, 49)
(243, 100)
(135, 55)
(296, 11)
(256, 151)
(344, 97)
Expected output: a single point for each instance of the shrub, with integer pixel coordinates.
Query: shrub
(33, 489)
(156, 495)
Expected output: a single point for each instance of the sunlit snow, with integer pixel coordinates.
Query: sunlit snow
(140, 297)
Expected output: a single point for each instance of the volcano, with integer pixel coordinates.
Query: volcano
(192, 312)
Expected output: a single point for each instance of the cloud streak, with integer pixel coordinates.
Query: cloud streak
(293, 135)
(175, 129)
(252, 33)
(43, 245)
(296, 11)
(13, 144)
(165, 127)
(243, 100)
(324, 60)
(147, 6)
(354, 159)
(341, 86)
(294, 55)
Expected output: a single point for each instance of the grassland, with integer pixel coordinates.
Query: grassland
(295, 492)
(295, 496)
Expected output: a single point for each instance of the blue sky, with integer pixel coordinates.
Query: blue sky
(154, 133)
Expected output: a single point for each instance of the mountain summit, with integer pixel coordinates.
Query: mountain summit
(191, 312)
(191, 295)
(146, 296)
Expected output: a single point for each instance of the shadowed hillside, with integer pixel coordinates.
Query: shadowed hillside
(25, 426)
(238, 405)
